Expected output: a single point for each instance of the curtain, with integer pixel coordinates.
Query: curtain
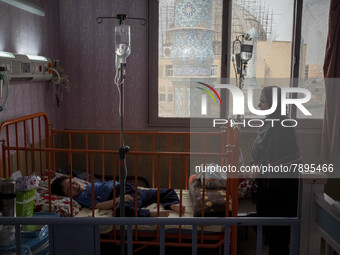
(330, 143)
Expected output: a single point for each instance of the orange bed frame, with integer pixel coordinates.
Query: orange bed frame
(29, 144)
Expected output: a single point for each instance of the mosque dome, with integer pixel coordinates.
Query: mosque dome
(244, 21)
(253, 33)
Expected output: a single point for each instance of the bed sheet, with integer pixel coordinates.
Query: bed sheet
(188, 213)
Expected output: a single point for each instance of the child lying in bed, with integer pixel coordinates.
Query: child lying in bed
(103, 197)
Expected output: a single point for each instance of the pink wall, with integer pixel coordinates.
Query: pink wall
(26, 33)
(87, 52)
(69, 32)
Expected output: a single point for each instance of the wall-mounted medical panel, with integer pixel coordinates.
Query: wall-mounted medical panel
(18, 67)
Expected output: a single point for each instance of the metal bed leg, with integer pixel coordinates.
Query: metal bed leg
(259, 240)
(194, 240)
(129, 240)
(18, 239)
(226, 239)
(51, 239)
(162, 241)
(294, 239)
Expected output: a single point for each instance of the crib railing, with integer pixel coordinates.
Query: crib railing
(320, 217)
(28, 145)
(228, 140)
(327, 222)
(28, 141)
(87, 229)
(30, 131)
(205, 240)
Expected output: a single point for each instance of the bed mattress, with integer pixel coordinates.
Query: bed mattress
(188, 213)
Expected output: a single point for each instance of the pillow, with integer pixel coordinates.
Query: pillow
(59, 204)
(24, 183)
(245, 187)
(214, 179)
(44, 179)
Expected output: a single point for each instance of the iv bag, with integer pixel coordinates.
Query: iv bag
(246, 52)
(246, 48)
(122, 43)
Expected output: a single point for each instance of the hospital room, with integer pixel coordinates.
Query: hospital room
(170, 127)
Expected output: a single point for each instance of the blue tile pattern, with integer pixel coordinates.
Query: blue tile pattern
(193, 13)
(192, 53)
(188, 10)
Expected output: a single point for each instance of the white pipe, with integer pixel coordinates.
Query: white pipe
(26, 6)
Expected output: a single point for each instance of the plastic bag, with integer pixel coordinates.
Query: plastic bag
(25, 183)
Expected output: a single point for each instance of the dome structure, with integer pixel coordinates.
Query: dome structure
(253, 33)
(243, 21)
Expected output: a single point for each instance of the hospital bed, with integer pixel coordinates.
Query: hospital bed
(30, 145)
(164, 158)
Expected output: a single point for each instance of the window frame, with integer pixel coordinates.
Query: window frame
(153, 28)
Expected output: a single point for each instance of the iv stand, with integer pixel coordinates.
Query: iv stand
(241, 64)
(123, 148)
(122, 159)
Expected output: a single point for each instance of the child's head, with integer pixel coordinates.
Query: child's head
(61, 187)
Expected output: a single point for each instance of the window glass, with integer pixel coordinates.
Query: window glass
(190, 46)
(269, 26)
(189, 52)
(161, 97)
(313, 46)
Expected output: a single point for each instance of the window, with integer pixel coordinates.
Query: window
(169, 70)
(170, 98)
(214, 71)
(189, 43)
(313, 45)
(161, 97)
(194, 43)
(269, 25)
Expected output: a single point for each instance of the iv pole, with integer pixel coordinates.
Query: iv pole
(240, 60)
(123, 148)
